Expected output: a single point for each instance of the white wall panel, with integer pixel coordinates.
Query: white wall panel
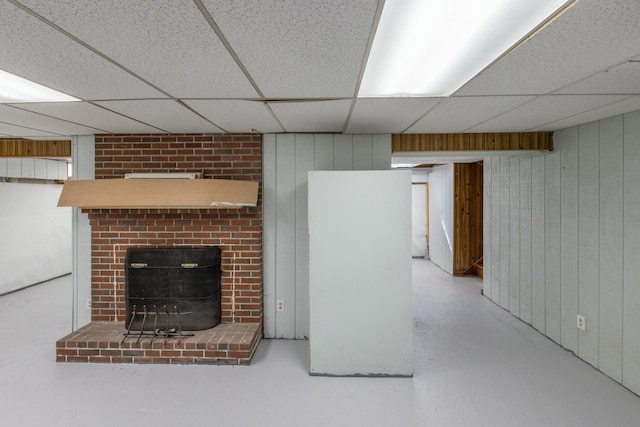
(33, 168)
(40, 170)
(343, 152)
(487, 214)
(588, 240)
(362, 152)
(14, 167)
(505, 247)
(323, 152)
(580, 243)
(287, 158)
(552, 241)
(568, 150)
(525, 239)
(631, 206)
(538, 259)
(381, 152)
(610, 242)
(269, 212)
(441, 217)
(285, 235)
(514, 236)
(495, 228)
(304, 162)
(83, 158)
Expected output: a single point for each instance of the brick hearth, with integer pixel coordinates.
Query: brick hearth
(101, 342)
(238, 233)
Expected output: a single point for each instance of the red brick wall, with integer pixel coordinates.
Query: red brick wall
(238, 232)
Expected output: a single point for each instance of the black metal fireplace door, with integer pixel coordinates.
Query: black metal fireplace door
(179, 285)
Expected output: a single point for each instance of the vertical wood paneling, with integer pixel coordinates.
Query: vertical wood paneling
(304, 162)
(487, 286)
(610, 242)
(631, 295)
(568, 151)
(504, 233)
(514, 236)
(588, 240)
(495, 227)
(472, 141)
(285, 235)
(343, 152)
(525, 239)
(538, 244)
(553, 254)
(269, 211)
(467, 215)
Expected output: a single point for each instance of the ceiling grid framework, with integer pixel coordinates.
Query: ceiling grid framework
(210, 66)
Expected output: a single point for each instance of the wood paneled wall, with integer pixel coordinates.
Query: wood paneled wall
(472, 141)
(29, 148)
(467, 215)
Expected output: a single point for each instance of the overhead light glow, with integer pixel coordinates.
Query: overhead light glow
(17, 89)
(433, 47)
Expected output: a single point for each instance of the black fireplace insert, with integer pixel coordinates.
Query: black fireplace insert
(172, 287)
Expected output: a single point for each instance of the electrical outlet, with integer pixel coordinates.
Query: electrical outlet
(280, 305)
(582, 323)
(88, 303)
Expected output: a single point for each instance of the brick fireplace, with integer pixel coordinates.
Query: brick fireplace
(238, 233)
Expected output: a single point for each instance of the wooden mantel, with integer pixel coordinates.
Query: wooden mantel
(159, 194)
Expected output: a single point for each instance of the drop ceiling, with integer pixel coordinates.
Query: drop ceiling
(210, 66)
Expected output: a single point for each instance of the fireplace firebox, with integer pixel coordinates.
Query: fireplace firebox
(172, 288)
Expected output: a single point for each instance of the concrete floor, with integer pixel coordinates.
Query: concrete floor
(475, 365)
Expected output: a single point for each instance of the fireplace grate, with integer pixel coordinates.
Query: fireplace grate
(160, 318)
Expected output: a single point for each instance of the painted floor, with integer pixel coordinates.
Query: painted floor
(475, 365)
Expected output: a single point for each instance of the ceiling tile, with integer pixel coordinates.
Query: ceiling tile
(591, 36)
(305, 49)
(14, 131)
(28, 119)
(90, 115)
(152, 37)
(164, 114)
(389, 115)
(545, 110)
(458, 114)
(318, 116)
(623, 79)
(237, 116)
(625, 106)
(33, 50)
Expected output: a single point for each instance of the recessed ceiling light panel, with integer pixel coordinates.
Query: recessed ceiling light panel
(433, 47)
(17, 89)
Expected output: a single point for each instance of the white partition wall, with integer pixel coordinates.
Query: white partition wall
(441, 217)
(360, 273)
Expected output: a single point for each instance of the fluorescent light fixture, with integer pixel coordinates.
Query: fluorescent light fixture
(433, 47)
(17, 89)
